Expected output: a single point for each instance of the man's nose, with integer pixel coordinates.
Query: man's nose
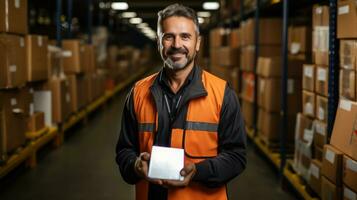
(177, 42)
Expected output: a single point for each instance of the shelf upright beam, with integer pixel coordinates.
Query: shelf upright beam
(69, 18)
(333, 93)
(284, 82)
(89, 20)
(256, 55)
(58, 22)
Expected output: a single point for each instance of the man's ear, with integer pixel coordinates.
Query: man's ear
(198, 43)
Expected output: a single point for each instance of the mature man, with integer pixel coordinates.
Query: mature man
(182, 106)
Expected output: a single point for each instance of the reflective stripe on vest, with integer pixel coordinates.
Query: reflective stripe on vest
(199, 138)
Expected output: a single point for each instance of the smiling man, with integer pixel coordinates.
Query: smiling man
(185, 107)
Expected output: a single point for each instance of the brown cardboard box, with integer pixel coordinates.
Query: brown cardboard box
(88, 57)
(348, 54)
(54, 61)
(320, 136)
(349, 194)
(229, 74)
(36, 122)
(13, 61)
(308, 78)
(36, 57)
(346, 19)
(321, 108)
(344, 135)
(235, 38)
(248, 112)
(318, 153)
(72, 63)
(217, 37)
(348, 84)
(350, 172)
(248, 84)
(229, 57)
(320, 45)
(61, 99)
(305, 128)
(271, 67)
(73, 91)
(332, 164)
(315, 178)
(273, 37)
(13, 16)
(248, 54)
(320, 15)
(308, 103)
(321, 84)
(269, 90)
(330, 191)
(299, 39)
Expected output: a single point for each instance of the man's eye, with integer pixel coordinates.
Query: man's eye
(168, 37)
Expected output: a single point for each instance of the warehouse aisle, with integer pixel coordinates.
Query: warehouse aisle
(84, 168)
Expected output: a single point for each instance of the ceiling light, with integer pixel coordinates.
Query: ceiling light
(204, 14)
(142, 25)
(120, 6)
(128, 14)
(210, 5)
(201, 20)
(101, 5)
(135, 20)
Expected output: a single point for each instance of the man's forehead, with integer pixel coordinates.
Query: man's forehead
(177, 23)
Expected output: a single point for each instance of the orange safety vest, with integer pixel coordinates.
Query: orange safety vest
(199, 140)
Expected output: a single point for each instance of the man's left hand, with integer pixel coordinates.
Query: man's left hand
(187, 172)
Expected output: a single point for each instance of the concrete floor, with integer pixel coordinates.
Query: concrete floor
(84, 168)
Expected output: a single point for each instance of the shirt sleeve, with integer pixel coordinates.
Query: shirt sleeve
(127, 147)
(231, 158)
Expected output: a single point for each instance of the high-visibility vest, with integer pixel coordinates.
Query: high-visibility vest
(199, 138)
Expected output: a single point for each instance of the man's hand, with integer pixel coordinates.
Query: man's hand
(141, 168)
(187, 172)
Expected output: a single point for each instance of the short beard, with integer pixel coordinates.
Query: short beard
(178, 66)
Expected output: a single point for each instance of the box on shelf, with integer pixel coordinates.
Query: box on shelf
(271, 67)
(235, 38)
(348, 84)
(321, 108)
(273, 37)
(13, 61)
(13, 16)
(320, 16)
(299, 39)
(346, 19)
(349, 194)
(248, 112)
(318, 153)
(248, 84)
(321, 81)
(308, 78)
(320, 45)
(54, 61)
(308, 103)
(350, 172)
(332, 164)
(72, 56)
(315, 177)
(248, 55)
(61, 99)
(36, 57)
(88, 56)
(348, 54)
(329, 190)
(217, 37)
(229, 57)
(320, 136)
(36, 122)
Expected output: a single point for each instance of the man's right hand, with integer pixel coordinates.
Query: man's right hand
(141, 168)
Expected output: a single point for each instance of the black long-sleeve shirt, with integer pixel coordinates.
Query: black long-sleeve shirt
(212, 172)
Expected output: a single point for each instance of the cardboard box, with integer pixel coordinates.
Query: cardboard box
(344, 135)
(217, 37)
(299, 39)
(346, 19)
(305, 128)
(248, 84)
(320, 45)
(315, 178)
(61, 99)
(271, 67)
(229, 57)
(330, 191)
(36, 57)
(72, 61)
(248, 112)
(54, 61)
(308, 78)
(235, 38)
(88, 57)
(13, 16)
(348, 84)
(348, 194)
(231, 75)
(318, 153)
(214, 57)
(308, 103)
(78, 87)
(269, 91)
(321, 84)
(321, 108)
(332, 164)
(247, 58)
(350, 172)
(36, 122)
(13, 61)
(348, 54)
(271, 38)
(320, 136)
(320, 16)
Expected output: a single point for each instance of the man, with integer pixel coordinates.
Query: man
(183, 107)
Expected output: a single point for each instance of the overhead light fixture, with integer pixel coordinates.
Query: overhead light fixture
(120, 6)
(135, 20)
(128, 14)
(210, 5)
(204, 14)
(201, 20)
(102, 5)
(142, 25)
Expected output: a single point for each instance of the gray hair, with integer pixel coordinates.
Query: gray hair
(177, 10)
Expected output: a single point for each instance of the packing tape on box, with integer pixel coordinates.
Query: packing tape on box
(314, 170)
(321, 74)
(349, 194)
(13, 101)
(343, 10)
(330, 156)
(352, 165)
(345, 105)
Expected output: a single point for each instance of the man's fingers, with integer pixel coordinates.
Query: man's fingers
(145, 156)
(187, 169)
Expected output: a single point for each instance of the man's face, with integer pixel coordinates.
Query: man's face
(178, 42)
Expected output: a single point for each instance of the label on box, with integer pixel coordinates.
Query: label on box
(308, 135)
(39, 41)
(17, 3)
(309, 108)
(32, 108)
(343, 10)
(22, 42)
(66, 54)
(320, 129)
(349, 194)
(295, 48)
(315, 171)
(68, 98)
(321, 114)
(318, 10)
(308, 71)
(330, 156)
(321, 74)
(345, 105)
(12, 68)
(16, 110)
(290, 86)
(352, 165)
(13, 102)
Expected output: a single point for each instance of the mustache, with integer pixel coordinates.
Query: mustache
(174, 50)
